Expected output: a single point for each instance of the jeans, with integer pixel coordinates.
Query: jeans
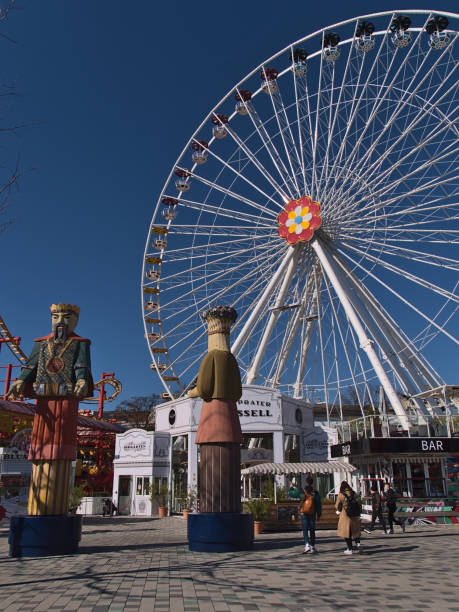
(391, 518)
(377, 514)
(308, 522)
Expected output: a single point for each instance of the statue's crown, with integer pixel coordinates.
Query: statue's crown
(64, 307)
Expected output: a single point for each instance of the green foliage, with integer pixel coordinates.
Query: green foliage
(282, 495)
(259, 507)
(75, 497)
(268, 490)
(159, 493)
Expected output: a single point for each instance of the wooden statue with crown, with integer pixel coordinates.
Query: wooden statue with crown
(220, 526)
(58, 375)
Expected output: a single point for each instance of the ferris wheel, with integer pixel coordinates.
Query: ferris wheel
(319, 199)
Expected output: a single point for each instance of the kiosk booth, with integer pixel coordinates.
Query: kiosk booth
(141, 458)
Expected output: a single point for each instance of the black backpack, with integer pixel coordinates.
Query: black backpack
(352, 506)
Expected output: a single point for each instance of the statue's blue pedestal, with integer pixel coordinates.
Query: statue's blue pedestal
(40, 536)
(220, 531)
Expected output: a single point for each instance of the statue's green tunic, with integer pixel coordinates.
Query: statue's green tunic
(55, 423)
(219, 385)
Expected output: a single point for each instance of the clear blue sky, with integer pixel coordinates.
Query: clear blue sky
(116, 89)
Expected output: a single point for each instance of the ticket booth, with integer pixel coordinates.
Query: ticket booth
(141, 458)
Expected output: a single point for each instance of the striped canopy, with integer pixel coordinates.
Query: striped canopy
(309, 467)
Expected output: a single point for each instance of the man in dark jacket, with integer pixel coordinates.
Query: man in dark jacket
(376, 509)
(390, 499)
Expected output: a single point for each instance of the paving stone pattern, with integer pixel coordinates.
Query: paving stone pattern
(134, 564)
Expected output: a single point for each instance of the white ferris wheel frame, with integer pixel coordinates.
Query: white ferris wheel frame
(393, 340)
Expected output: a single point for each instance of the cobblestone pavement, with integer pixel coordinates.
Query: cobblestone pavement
(134, 564)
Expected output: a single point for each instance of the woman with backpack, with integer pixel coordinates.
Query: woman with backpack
(348, 507)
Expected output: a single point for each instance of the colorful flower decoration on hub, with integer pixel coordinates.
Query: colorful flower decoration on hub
(299, 219)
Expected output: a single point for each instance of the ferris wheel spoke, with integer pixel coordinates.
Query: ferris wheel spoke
(202, 266)
(296, 83)
(374, 111)
(404, 347)
(431, 259)
(271, 149)
(194, 248)
(435, 182)
(284, 127)
(314, 193)
(183, 321)
(398, 109)
(227, 271)
(419, 208)
(391, 351)
(255, 161)
(428, 105)
(211, 231)
(404, 176)
(400, 297)
(230, 193)
(225, 212)
(405, 274)
(356, 101)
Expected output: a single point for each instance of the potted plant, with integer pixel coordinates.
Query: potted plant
(160, 494)
(190, 501)
(259, 508)
(75, 497)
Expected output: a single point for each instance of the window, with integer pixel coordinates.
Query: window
(436, 483)
(143, 485)
(292, 448)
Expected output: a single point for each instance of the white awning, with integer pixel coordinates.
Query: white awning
(310, 467)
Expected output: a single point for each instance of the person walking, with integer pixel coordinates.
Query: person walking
(376, 510)
(310, 511)
(348, 507)
(390, 499)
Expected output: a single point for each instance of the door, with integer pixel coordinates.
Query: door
(124, 494)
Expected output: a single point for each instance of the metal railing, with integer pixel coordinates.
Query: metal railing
(390, 426)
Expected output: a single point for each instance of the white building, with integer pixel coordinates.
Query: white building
(141, 458)
(276, 428)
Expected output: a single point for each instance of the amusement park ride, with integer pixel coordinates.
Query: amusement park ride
(319, 198)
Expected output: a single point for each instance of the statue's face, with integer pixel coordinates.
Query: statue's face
(63, 323)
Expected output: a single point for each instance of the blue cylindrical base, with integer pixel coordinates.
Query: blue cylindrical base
(220, 531)
(40, 536)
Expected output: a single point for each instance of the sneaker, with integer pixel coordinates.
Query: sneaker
(348, 552)
(306, 549)
(313, 550)
(367, 530)
(391, 531)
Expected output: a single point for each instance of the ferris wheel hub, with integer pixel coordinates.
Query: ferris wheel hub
(299, 219)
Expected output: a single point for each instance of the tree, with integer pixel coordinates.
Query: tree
(9, 173)
(138, 411)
